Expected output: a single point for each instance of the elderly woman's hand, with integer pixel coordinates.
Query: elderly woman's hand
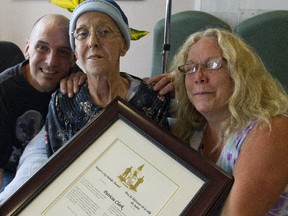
(70, 85)
(163, 83)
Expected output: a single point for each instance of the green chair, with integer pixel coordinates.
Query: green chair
(182, 25)
(267, 34)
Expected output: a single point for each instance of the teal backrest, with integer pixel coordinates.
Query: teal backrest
(182, 25)
(267, 34)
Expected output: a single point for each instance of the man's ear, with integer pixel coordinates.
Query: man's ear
(26, 51)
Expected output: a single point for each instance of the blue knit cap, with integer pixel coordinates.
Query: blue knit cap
(110, 7)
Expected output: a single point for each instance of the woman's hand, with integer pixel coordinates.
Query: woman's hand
(163, 83)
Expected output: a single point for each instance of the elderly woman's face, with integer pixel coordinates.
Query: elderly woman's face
(96, 51)
(208, 89)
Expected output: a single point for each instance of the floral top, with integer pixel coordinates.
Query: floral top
(66, 116)
(229, 156)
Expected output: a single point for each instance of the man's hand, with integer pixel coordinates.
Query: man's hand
(70, 85)
(162, 83)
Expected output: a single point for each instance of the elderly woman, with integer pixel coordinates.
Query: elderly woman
(99, 36)
(232, 111)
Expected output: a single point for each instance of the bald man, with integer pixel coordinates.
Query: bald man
(25, 89)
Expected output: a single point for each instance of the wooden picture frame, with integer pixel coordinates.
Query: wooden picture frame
(122, 162)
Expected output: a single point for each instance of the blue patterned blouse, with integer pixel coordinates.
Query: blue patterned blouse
(66, 116)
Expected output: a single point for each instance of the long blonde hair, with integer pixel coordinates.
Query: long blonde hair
(256, 94)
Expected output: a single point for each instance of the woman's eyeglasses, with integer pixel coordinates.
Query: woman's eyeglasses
(212, 63)
(102, 32)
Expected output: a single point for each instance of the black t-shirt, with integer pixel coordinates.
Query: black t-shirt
(23, 110)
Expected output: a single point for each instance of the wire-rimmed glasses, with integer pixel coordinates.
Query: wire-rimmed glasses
(212, 63)
(102, 32)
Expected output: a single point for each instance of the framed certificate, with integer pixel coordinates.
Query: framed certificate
(121, 163)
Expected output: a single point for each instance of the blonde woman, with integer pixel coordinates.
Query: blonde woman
(230, 109)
